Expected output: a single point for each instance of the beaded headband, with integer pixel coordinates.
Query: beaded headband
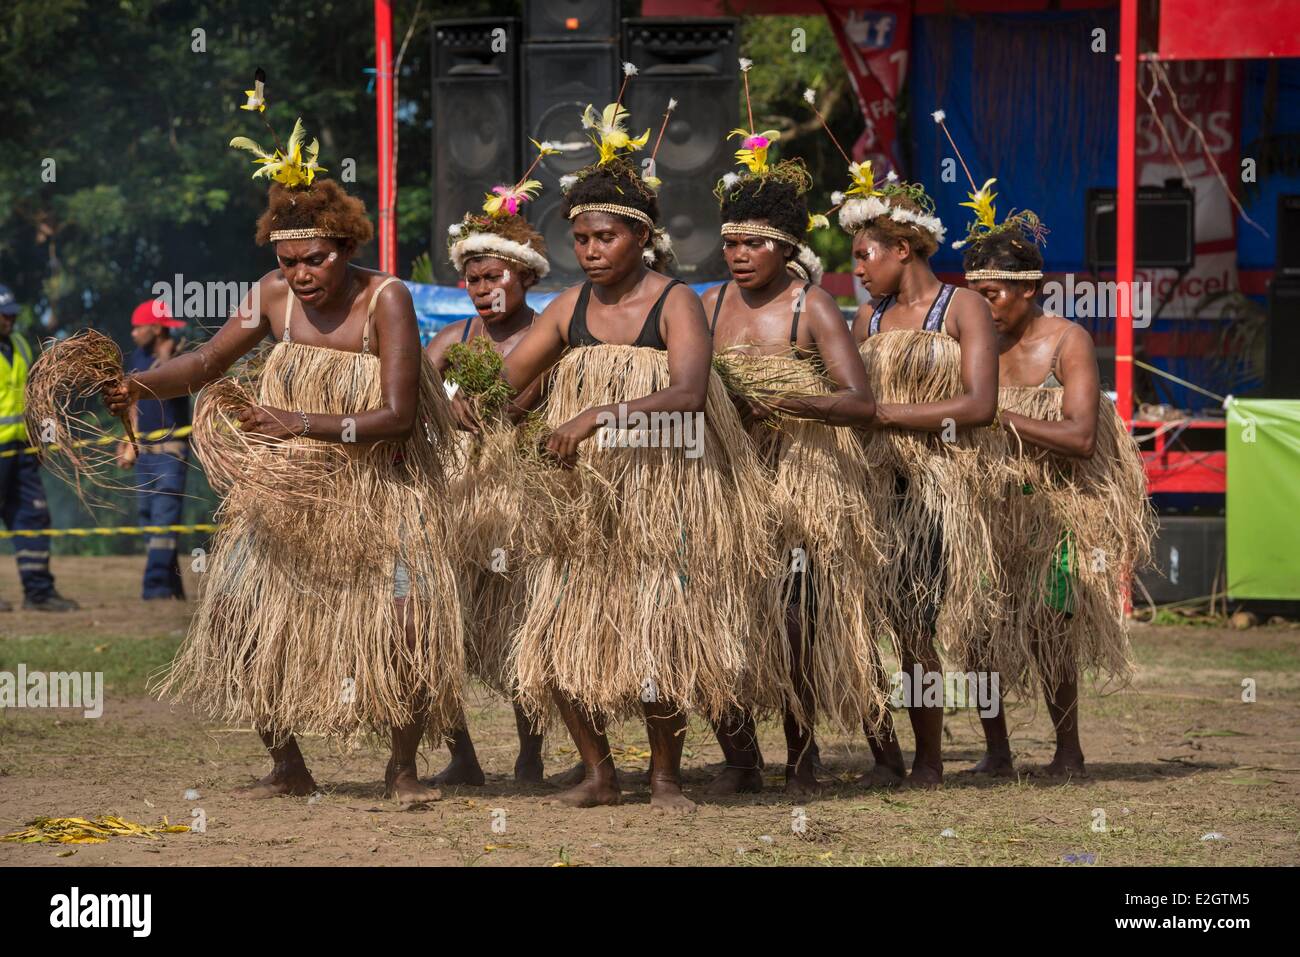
(758, 229)
(1025, 274)
(614, 208)
(312, 233)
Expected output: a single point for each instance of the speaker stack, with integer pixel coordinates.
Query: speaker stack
(497, 86)
(475, 116)
(570, 60)
(696, 62)
(1282, 358)
(1165, 228)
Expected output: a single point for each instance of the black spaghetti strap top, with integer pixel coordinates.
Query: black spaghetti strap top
(649, 337)
(933, 318)
(464, 336)
(794, 322)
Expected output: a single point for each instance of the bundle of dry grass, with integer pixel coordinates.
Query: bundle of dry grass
(657, 552)
(940, 564)
(494, 516)
(280, 470)
(1070, 535)
(301, 624)
(829, 538)
(63, 389)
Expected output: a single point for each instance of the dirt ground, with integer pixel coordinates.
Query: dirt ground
(1177, 756)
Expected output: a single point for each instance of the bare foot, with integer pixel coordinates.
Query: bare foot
(284, 780)
(592, 792)
(402, 785)
(572, 777)
(666, 797)
(459, 771)
(997, 765)
(881, 776)
(802, 783)
(735, 781)
(1065, 765)
(529, 769)
(924, 777)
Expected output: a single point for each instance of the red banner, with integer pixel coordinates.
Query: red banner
(876, 44)
(1209, 96)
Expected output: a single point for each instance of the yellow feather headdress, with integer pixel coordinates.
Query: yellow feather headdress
(293, 166)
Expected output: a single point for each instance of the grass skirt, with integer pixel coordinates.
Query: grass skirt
(1062, 621)
(296, 628)
(940, 578)
(829, 540)
(655, 557)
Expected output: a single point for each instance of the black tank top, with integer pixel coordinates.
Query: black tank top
(649, 337)
(794, 322)
(933, 318)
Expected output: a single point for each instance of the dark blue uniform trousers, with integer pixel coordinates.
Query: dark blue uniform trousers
(23, 508)
(161, 481)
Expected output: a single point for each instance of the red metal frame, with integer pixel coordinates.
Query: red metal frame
(1173, 471)
(384, 125)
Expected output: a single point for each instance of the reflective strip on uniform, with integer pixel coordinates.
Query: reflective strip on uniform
(30, 553)
(159, 541)
(10, 419)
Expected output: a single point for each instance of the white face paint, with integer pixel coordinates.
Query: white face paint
(769, 245)
(505, 275)
(332, 257)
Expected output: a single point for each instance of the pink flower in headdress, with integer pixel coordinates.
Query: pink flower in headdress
(509, 199)
(756, 143)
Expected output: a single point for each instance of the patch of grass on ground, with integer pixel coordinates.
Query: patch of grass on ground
(126, 661)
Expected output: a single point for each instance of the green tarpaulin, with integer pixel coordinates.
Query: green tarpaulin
(1264, 498)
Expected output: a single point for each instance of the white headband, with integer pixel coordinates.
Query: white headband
(857, 213)
(490, 244)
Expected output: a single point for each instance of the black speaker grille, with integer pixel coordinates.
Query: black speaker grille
(475, 121)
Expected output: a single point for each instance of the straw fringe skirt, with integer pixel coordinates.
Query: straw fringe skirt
(829, 539)
(1071, 533)
(656, 555)
(298, 626)
(490, 512)
(940, 576)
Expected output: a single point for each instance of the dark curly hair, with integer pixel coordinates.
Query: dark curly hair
(778, 202)
(322, 205)
(1006, 249)
(614, 182)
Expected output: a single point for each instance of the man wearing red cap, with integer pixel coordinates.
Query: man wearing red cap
(163, 459)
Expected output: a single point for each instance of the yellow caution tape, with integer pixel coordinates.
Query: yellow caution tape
(107, 440)
(108, 530)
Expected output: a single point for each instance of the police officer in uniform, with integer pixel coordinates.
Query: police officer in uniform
(22, 497)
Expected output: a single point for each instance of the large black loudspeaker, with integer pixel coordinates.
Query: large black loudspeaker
(1188, 555)
(475, 120)
(562, 79)
(1288, 237)
(694, 61)
(1282, 359)
(571, 20)
(1166, 233)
